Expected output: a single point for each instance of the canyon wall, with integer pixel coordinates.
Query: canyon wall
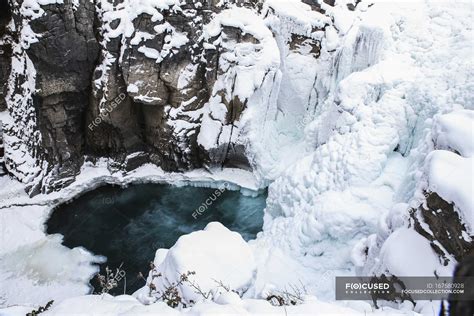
(164, 82)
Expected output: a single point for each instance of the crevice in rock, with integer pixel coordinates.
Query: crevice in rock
(5, 16)
(5, 51)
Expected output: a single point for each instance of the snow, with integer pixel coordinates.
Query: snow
(451, 176)
(132, 88)
(387, 80)
(455, 131)
(95, 175)
(253, 60)
(22, 230)
(215, 254)
(127, 305)
(407, 253)
(128, 11)
(186, 75)
(21, 134)
(150, 52)
(58, 272)
(209, 133)
(248, 71)
(304, 21)
(430, 39)
(349, 141)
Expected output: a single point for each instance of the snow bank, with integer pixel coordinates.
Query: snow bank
(44, 271)
(455, 131)
(407, 253)
(215, 254)
(108, 305)
(439, 95)
(125, 305)
(397, 248)
(451, 176)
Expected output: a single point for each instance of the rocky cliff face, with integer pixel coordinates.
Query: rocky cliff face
(5, 51)
(166, 82)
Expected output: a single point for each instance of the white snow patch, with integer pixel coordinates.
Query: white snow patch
(455, 131)
(214, 254)
(451, 176)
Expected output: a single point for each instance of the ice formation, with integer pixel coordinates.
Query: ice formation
(358, 120)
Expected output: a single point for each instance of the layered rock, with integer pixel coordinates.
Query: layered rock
(5, 55)
(166, 82)
(64, 58)
(5, 51)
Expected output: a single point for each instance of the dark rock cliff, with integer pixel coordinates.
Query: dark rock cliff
(95, 83)
(64, 59)
(5, 51)
(442, 226)
(465, 269)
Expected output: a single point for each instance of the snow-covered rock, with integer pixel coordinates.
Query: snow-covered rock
(432, 235)
(216, 255)
(186, 84)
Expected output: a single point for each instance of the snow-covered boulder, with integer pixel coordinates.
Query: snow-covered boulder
(218, 257)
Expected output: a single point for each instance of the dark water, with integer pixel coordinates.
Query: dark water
(127, 225)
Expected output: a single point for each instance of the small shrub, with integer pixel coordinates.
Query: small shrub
(292, 296)
(171, 294)
(111, 279)
(40, 309)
